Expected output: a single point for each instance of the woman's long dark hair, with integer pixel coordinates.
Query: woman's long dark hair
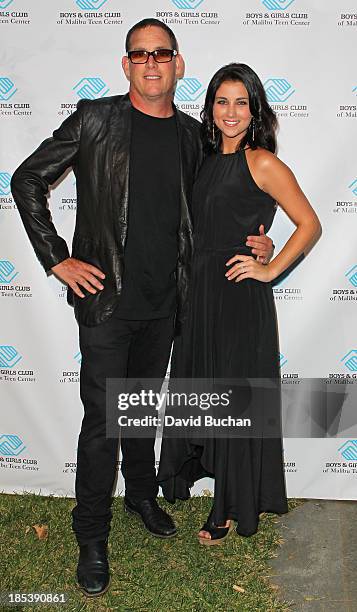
(265, 121)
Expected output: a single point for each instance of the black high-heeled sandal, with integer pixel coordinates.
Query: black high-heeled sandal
(218, 534)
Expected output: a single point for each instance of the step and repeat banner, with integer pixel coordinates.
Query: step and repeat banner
(55, 53)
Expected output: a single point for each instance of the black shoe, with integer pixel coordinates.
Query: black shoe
(93, 569)
(155, 519)
(218, 534)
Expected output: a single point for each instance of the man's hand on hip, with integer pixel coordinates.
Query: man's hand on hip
(75, 272)
(262, 246)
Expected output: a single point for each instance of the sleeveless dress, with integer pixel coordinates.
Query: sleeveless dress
(231, 331)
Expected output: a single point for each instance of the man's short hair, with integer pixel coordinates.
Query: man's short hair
(145, 23)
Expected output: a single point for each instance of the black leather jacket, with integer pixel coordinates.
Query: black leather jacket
(95, 141)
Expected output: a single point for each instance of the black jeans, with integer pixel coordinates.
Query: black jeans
(117, 348)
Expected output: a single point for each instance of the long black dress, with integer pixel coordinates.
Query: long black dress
(231, 331)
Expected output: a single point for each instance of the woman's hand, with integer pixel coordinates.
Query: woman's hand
(248, 267)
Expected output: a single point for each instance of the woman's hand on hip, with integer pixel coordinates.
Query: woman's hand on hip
(246, 266)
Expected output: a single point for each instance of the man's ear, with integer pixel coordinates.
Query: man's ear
(180, 66)
(125, 65)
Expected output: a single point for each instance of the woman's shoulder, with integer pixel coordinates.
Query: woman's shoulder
(266, 167)
(264, 161)
(261, 157)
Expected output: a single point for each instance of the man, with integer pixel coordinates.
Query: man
(135, 158)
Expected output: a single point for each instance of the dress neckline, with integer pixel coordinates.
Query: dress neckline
(234, 152)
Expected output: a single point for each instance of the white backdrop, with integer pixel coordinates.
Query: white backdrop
(53, 53)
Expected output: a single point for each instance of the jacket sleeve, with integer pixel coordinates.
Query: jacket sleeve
(30, 183)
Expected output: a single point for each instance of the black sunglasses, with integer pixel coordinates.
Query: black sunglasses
(140, 56)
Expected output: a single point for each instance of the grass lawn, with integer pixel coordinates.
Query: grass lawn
(147, 573)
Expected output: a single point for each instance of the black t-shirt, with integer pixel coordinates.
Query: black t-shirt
(151, 249)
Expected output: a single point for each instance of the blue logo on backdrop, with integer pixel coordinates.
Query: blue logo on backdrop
(277, 5)
(5, 179)
(353, 187)
(348, 450)
(9, 356)
(78, 357)
(350, 360)
(90, 5)
(11, 445)
(278, 90)
(5, 3)
(282, 360)
(7, 88)
(7, 272)
(189, 90)
(352, 275)
(91, 88)
(187, 4)
(354, 90)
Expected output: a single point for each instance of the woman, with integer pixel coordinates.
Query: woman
(231, 327)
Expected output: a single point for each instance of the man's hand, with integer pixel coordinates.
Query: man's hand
(262, 245)
(75, 272)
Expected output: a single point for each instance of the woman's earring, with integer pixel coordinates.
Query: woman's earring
(253, 129)
(213, 134)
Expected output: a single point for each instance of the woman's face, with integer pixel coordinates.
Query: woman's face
(231, 113)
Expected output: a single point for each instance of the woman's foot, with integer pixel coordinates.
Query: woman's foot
(213, 534)
(207, 535)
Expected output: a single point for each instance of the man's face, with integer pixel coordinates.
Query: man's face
(152, 81)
